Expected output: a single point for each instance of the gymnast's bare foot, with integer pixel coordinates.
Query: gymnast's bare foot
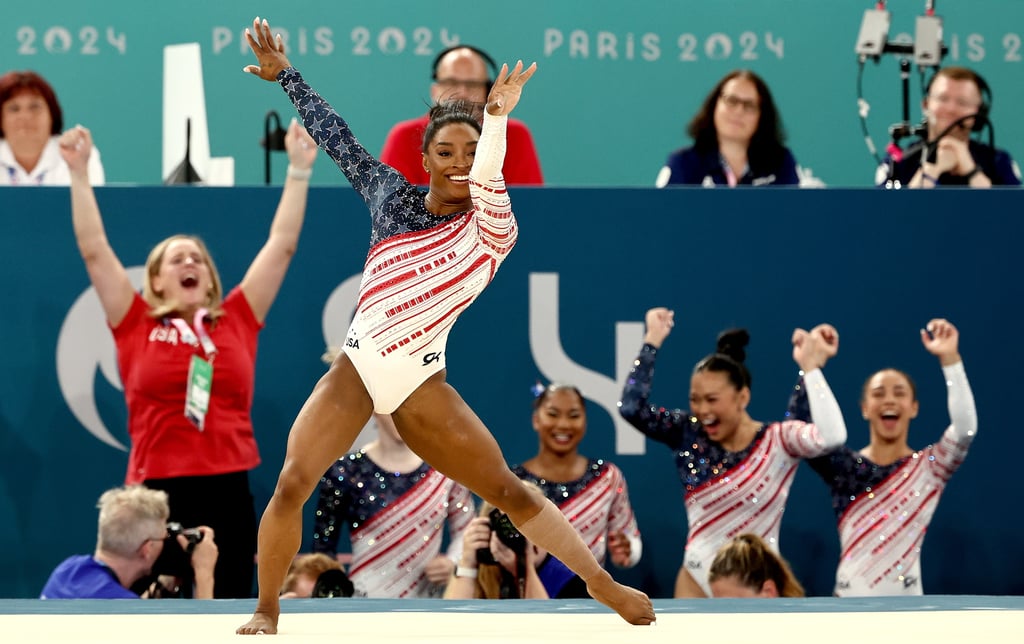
(631, 604)
(260, 624)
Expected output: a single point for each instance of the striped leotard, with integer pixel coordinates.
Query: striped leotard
(883, 511)
(596, 504)
(423, 269)
(729, 493)
(395, 521)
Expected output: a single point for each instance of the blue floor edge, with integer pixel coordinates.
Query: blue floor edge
(570, 606)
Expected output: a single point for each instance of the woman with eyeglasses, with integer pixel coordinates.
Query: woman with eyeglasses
(737, 140)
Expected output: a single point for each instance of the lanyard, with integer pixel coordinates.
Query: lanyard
(187, 335)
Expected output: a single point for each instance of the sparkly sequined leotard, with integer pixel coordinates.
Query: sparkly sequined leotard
(423, 269)
(729, 493)
(596, 504)
(395, 523)
(883, 511)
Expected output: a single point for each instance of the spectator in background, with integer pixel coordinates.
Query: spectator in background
(30, 125)
(395, 507)
(957, 103)
(747, 567)
(190, 424)
(590, 492)
(737, 140)
(131, 536)
(304, 573)
(461, 73)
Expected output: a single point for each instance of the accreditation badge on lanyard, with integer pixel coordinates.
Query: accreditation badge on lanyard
(200, 371)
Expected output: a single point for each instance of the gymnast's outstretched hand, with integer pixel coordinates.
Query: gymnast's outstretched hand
(269, 51)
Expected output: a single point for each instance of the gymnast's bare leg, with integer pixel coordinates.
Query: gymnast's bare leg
(441, 428)
(324, 430)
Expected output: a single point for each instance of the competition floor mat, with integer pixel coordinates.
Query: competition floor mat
(931, 619)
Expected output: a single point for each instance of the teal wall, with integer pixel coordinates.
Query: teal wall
(617, 82)
(588, 264)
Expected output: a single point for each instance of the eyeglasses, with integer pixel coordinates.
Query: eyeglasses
(468, 85)
(731, 101)
(962, 103)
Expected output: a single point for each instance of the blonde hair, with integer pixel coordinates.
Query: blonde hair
(129, 516)
(749, 559)
(159, 307)
(308, 565)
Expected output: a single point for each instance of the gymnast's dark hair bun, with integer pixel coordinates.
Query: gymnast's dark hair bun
(732, 342)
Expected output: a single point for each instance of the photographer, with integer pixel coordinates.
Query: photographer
(498, 562)
(132, 533)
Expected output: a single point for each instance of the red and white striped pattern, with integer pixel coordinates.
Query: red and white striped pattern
(600, 508)
(747, 497)
(390, 550)
(416, 285)
(883, 529)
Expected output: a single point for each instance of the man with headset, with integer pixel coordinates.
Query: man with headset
(464, 73)
(957, 103)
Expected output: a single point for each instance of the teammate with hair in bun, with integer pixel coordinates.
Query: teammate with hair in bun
(736, 471)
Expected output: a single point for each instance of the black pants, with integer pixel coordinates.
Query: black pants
(224, 503)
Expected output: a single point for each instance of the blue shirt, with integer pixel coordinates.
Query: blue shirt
(691, 167)
(83, 577)
(997, 165)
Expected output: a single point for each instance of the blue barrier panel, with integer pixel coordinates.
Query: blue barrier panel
(588, 264)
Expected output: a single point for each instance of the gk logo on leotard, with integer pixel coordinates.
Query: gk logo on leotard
(432, 357)
(352, 342)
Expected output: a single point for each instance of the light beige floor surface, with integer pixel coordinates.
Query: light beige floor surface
(932, 627)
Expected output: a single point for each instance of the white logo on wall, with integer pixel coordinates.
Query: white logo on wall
(555, 365)
(84, 344)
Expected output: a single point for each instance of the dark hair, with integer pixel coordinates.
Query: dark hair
(766, 145)
(748, 558)
(15, 81)
(484, 56)
(910, 382)
(542, 394)
(446, 113)
(728, 357)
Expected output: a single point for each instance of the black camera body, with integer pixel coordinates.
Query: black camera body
(507, 533)
(192, 535)
(333, 583)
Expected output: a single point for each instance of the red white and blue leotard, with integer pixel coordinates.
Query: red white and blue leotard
(395, 522)
(596, 504)
(729, 493)
(883, 511)
(423, 270)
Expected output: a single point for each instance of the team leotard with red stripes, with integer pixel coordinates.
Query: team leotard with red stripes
(395, 521)
(423, 270)
(729, 493)
(883, 511)
(596, 504)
